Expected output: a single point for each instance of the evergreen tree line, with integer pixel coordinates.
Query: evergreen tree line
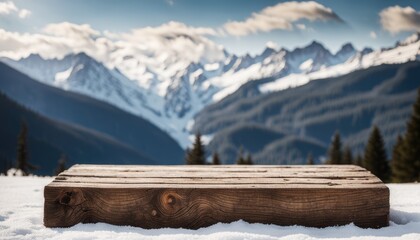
(405, 163)
(197, 155)
(403, 167)
(22, 156)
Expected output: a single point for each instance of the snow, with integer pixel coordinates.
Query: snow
(228, 87)
(143, 79)
(61, 78)
(306, 65)
(399, 54)
(21, 217)
(205, 139)
(212, 67)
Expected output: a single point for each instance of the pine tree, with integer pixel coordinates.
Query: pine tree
(61, 167)
(310, 159)
(216, 159)
(335, 153)
(347, 156)
(22, 151)
(399, 168)
(248, 159)
(241, 160)
(375, 159)
(196, 156)
(410, 154)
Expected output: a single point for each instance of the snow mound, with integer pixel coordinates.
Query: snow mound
(13, 172)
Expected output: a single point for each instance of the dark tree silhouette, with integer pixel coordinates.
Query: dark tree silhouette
(22, 162)
(248, 159)
(244, 161)
(409, 166)
(216, 159)
(335, 154)
(196, 156)
(375, 159)
(240, 159)
(398, 167)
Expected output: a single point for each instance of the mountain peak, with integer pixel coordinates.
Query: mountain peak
(366, 50)
(83, 58)
(313, 47)
(315, 44)
(348, 47)
(346, 50)
(82, 55)
(34, 56)
(268, 51)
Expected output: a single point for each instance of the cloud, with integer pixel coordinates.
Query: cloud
(171, 30)
(66, 29)
(173, 40)
(400, 19)
(281, 16)
(373, 35)
(271, 44)
(7, 8)
(168, 42)
(24, 13)
(55, 41)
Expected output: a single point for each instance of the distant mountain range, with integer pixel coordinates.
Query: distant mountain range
(170, 93)
(171, 90)
(138, 140)
(284, 127)
(49, 139)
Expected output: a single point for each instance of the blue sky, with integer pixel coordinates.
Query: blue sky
(361, 21)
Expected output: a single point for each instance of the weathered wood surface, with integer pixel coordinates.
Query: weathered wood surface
(199, 196)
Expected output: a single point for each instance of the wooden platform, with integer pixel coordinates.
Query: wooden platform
(199, 196)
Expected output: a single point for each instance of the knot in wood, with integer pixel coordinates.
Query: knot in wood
(71, 197)
(65, 199)
(169, 202)
(170, 199)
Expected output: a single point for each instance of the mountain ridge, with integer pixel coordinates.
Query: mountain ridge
(89, 113)
(172, 96)
(381, 95)
(48, 139)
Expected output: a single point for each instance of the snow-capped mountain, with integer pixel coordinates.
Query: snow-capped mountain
(169, 88)
(404, 51)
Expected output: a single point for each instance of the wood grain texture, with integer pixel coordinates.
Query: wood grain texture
(199, 196)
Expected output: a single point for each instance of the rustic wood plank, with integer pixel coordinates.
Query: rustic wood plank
(218, 185)
(162, 175)
(212, 168)
(215, 172)
(198, 196)
(262, 180)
